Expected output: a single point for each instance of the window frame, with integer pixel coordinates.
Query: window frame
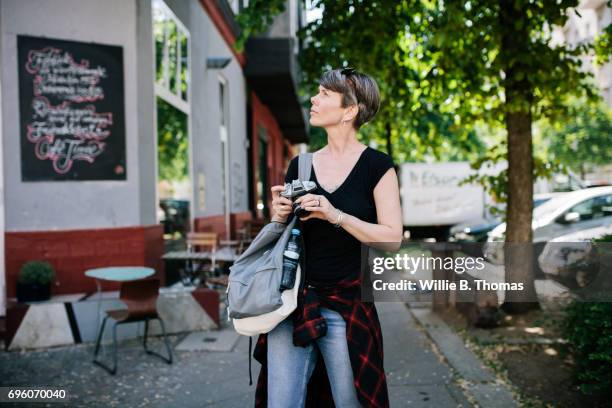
(162, 87)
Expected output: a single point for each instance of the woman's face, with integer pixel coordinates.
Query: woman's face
(326, 109)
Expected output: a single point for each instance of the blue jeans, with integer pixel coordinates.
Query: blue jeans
(290, 367)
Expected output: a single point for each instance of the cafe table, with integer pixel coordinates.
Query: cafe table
(223, 254)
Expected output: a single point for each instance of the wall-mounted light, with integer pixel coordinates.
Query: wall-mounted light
(217, 62)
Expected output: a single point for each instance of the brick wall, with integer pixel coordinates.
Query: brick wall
(72, 252)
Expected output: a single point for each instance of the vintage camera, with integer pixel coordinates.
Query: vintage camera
(295, 189)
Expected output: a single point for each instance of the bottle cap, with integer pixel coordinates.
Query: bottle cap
(295, 231)
(291, 254)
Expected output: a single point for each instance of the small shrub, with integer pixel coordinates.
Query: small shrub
(588, 330)
(39, 272)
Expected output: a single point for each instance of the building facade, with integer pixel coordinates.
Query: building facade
(592, 18)
(82, 85)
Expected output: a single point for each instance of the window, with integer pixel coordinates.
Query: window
(224, 136)
(238, 5)
(235, 6)
(172, 57)
(602, 206)
(171, 40)
(585, 209)
(261, 175)
(594, 208)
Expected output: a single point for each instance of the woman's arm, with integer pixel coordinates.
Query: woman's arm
(388, 231)
(388, 211)
(281, 206)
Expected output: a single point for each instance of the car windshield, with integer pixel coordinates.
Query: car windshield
(549, 206)
(539, 201)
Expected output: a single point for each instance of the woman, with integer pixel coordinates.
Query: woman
(357, 201)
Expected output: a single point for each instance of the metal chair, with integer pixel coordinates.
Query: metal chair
(201, 242)
(247, 233)
(206, 241)
(140, 296)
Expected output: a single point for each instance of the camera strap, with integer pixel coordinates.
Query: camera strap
(304, 166)
(304, 170)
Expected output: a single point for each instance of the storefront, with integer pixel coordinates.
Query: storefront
(87, 88)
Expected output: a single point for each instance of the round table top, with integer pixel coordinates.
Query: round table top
(120, 273)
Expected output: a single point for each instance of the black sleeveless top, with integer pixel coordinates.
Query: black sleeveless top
(332, 254)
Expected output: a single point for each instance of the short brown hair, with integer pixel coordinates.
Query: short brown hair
(356, 89)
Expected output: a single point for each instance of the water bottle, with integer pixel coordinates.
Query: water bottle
(291, 259)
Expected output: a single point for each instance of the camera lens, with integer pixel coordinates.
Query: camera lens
(299, 211)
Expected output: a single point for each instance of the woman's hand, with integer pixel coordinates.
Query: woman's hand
(281, 205)
(319, 207)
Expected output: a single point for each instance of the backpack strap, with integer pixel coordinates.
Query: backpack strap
(304, 166)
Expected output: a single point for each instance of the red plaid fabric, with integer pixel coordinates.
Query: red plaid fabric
(363, 336)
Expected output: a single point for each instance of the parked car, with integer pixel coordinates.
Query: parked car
(473, 231)
(569, 259)
(477, 230)
(570, 212)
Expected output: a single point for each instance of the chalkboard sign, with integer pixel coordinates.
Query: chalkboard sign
(71, 110)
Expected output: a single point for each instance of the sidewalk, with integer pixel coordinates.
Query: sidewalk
(417, 375)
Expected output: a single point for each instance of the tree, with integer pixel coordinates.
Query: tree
(411, 125)
(507, 70)
(584, 139)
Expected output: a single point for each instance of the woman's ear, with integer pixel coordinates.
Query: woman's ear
(351, 113)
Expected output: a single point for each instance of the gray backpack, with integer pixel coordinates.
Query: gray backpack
(254, 279)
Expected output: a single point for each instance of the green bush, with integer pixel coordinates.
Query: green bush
(39, 272)
(605, 238)
(588, 330)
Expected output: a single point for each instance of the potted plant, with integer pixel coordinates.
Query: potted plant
(34, 282)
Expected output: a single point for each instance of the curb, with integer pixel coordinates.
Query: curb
(481, 384)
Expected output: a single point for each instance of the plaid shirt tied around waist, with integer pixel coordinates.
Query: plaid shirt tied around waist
(363, 336)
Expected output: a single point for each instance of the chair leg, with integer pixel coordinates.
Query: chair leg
(168, 349)
(115, 347)
(146, 332)
(112, 370)
(99, 339)
(166, 359)
(189, 271)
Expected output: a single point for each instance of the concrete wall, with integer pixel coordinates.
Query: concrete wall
(287, 23)
(2, 264)
(594, 18)
(82, 204)
(147, 134)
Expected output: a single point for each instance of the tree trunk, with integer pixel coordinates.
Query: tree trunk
(388, 139)
(518, 248)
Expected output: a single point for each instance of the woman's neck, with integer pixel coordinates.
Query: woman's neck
(341, 141)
